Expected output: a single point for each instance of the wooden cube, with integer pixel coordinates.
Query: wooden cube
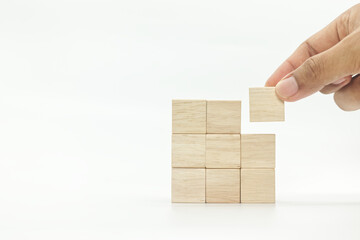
(223, 185)
(188, 185)
(223, 116)
(189, 116)
(188, 150)
(258, 151)
(257, 185)
(222, 150)
(265, 106)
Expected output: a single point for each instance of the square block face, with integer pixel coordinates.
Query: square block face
(223, 151)
(223, 116)
(188, 150)
(189, 116)
(223, 185)
(257, 185)
(258, 151)
(265, 106)
(188, 185)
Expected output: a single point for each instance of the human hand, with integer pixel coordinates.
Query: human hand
(328, 61)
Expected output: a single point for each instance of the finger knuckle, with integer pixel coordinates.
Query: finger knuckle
(313, 69)
(343, 25)
(307, 48)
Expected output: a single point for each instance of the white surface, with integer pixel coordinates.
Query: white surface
(85, 101)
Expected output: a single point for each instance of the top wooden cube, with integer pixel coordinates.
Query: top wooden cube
(265, 106)
(223, 116)
(189, 116)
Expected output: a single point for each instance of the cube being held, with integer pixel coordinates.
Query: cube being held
(265, 106)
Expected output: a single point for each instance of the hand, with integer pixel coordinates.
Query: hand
(327, 62)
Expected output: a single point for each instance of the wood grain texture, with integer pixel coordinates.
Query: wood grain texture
(188, 185)
(223, 116)
(265, 106)
(258, 151)
(223, 185)
(188, 150)
(189, 116)
(257, 185)
(222, 150)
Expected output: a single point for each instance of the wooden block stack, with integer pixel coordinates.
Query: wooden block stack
(212, 161)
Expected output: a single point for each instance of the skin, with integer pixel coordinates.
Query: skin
(328, 61)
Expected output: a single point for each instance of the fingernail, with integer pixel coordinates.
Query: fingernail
(340, 81)
(287, 87)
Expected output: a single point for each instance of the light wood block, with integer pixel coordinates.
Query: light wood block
(188, 150)
(189, 116)
(265, 106)
(222, 150)
(257, 185)
(223, 116)
(188, 185)
(258, 151)
(223, 185)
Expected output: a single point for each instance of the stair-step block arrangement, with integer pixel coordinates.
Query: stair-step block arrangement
(212, 161)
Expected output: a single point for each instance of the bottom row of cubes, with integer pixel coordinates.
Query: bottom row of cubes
(199, 185)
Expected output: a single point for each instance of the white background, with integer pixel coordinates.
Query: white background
(85, 119)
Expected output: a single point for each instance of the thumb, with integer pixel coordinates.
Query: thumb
(322, 69)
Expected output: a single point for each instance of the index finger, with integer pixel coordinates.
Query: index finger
(319, 42)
